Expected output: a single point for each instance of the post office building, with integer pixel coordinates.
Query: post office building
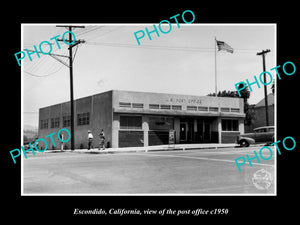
(132, 119)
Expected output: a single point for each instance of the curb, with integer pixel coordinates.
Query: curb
(146, 149)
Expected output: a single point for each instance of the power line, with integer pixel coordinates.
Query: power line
(88, 31)
(103, 34)
(161, 47)
(49, 74)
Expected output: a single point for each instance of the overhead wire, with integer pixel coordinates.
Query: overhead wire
(101, 34)
(45, 75)
(89, 30)
(88, 34)
(162, 47)
(43, 63)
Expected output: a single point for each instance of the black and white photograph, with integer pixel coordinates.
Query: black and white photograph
(139, 111)
(144, 109)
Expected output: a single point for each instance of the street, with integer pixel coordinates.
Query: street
(205, 171)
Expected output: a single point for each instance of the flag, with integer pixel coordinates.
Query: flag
(223, 46)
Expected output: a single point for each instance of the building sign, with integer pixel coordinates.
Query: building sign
(185, 100)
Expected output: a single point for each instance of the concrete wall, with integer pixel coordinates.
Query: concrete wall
(229, 136)
(48, 113)
(102, 117)
(173, 99)
(82, 105)
(100, 109)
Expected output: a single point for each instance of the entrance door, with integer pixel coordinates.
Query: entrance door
(203, 131)
(183, 132)
(206, 133)
(200, 131)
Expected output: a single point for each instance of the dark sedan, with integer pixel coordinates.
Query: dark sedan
(260, 135)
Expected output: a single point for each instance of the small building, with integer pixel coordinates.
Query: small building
(259, 114)
(132, 119)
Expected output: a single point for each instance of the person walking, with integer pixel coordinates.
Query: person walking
(61, 141)
(102, 140)
(90, 140)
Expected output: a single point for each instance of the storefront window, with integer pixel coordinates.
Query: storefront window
(230, 125)
(161, 123)
(130, 122)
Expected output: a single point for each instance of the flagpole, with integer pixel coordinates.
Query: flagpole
(216, 89)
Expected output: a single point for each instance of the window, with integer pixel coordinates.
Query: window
(125, 104)
(161, 123)
(165, 107)
(224, 109)
(138, 105)
(230, 125)
(261, 130)
(271, 129)
(176, 107)
(55, 122)
(202, 108)
(44, 124)
(153, 106)
(83, 119)
(191, 108)
(213, 109)
(130, 122)
(237, 110)
(66, 121)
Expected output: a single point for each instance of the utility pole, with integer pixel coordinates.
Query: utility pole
(55, 56)
(263, 53)
(71, 79)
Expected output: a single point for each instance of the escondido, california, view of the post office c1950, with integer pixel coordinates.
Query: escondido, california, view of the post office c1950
(132, 119)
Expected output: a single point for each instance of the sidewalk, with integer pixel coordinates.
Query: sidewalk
(179, 147)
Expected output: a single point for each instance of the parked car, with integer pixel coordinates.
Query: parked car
(260, 135)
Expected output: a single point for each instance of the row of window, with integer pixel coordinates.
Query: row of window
(155, 123)
(167, 123)
(177, 107)
(82, 119)
(131, 122)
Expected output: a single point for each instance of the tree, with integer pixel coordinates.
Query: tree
(224, 93)
(245, 94)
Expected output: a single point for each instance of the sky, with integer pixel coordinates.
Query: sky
(179, 62)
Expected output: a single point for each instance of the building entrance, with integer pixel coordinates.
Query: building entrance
(194, 130)
(183, 131)
(203, 134)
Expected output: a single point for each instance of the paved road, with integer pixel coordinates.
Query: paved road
(205, 171)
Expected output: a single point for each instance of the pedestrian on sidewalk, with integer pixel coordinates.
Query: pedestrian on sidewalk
(90, 140)
(61, 136)
(102, 140)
